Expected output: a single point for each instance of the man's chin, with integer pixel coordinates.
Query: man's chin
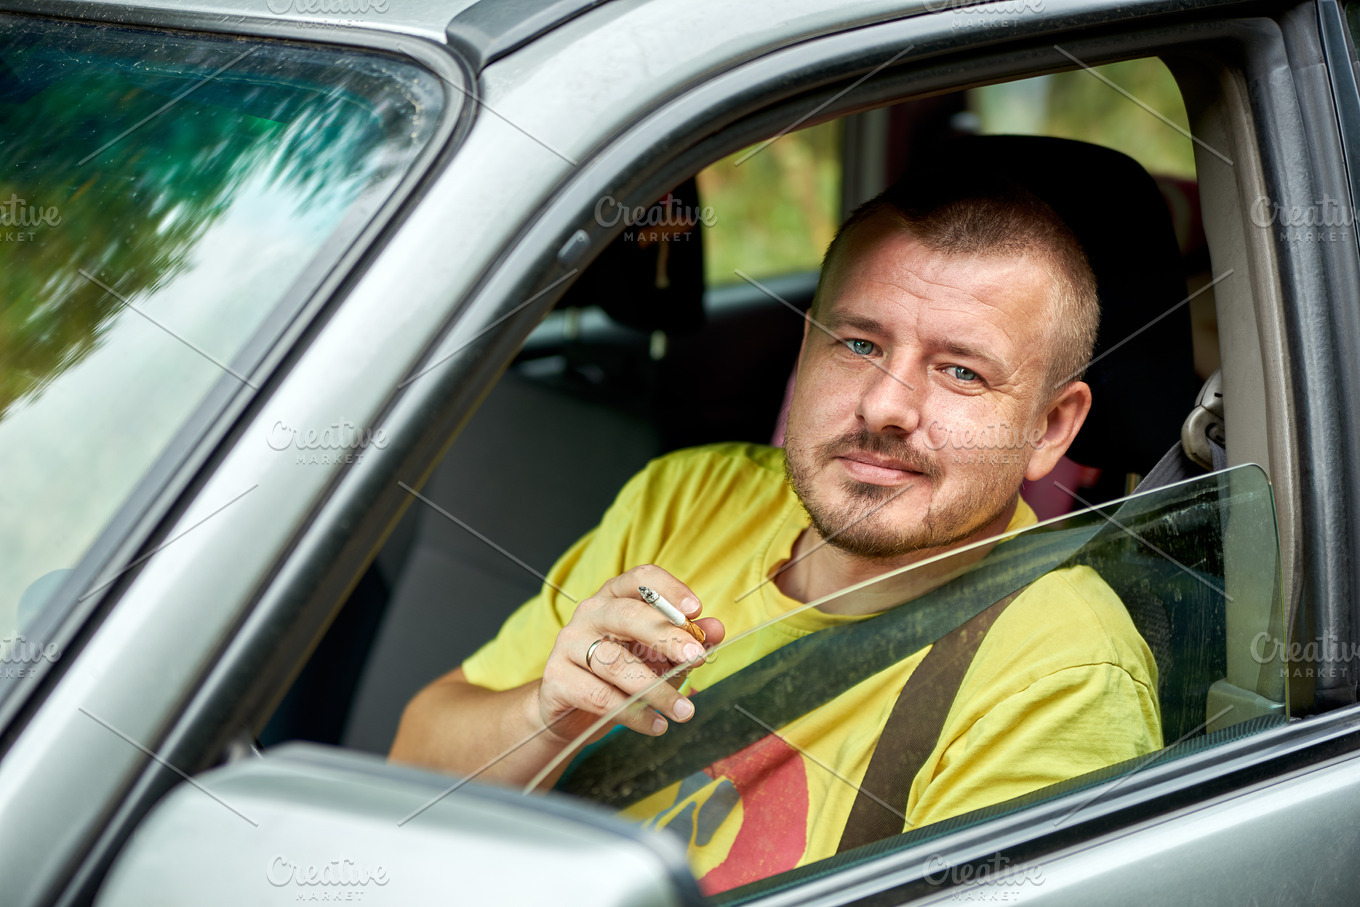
(867, 531)
(861, 531)
(890, 550)
(871, 493)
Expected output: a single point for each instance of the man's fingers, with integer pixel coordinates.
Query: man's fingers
(714, 631)
(589, 698)
(619, 668)
(634, 620)
(617, 645)
(658, 580)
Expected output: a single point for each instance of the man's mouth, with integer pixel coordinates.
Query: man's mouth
(876, 470)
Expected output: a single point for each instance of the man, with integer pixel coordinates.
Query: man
(940, 321)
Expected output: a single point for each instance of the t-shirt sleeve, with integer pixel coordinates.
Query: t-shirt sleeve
(519, 651)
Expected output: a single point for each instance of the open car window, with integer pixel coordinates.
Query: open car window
(649, 387)
(1195, 565)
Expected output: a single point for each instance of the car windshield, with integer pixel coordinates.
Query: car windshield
(1195, 564)
(167, 204)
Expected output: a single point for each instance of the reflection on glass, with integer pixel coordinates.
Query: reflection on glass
(1196, 567)
(163, 201)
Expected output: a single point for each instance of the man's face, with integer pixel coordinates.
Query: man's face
(912, 427)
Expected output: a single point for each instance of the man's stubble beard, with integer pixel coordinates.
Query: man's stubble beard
(860, 526)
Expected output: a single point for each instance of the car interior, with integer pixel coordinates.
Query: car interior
(652, 350)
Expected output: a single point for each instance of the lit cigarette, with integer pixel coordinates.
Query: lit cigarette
(670, 612)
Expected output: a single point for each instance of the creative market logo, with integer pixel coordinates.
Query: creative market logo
(17, 212)
(668, 220)
(329, 13)
(327, 7)
(337, 443)
(992, 444)
(339, 880)
(1325, 220)
(1321, 656)
(19, 656)
(993, 880)
(986, 15)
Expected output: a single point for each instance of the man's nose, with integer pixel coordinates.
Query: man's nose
(890, 400)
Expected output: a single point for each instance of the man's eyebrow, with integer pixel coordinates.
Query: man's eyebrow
(839, 323)
(965, 351)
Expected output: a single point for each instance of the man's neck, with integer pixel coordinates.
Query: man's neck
(816, 569)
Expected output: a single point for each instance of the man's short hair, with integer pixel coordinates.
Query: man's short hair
(992, 216)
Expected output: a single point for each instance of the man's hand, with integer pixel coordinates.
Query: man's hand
(456, 726)
(638, 646)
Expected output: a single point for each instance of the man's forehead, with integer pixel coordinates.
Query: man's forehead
(885, 247)
(894, 282)
(902, 280)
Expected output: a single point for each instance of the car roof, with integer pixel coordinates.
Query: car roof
(422, 18)
(481, 30)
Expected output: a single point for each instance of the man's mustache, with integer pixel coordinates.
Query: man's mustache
(887, 446)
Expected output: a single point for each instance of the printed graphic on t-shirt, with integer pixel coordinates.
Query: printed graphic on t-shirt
(748, 812)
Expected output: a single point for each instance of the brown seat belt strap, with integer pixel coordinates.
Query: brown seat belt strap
(912, 730)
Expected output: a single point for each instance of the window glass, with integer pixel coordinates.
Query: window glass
(1133, 107)
(167, 203)
(775, 205)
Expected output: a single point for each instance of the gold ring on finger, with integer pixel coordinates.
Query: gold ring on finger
(591, 651)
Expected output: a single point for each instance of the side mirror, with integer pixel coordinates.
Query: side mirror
(312, 823)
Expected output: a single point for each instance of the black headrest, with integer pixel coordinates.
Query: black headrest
(1146, 385)
(650, 277)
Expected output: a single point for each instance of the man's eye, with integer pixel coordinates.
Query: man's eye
(963, 374)
(860, 347)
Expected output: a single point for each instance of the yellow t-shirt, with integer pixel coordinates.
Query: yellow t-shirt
(1061, 685)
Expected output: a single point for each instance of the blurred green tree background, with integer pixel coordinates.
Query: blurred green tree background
(777, 210)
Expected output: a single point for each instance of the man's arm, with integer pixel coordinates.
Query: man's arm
(457, 726)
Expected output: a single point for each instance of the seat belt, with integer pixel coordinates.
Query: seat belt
(802, 675)
(1201, 445)
(913, 730)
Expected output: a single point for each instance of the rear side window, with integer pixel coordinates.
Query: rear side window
(772, 208)
(166, 204)
(1133, 106)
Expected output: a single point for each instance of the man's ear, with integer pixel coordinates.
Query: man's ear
(1056, 428)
